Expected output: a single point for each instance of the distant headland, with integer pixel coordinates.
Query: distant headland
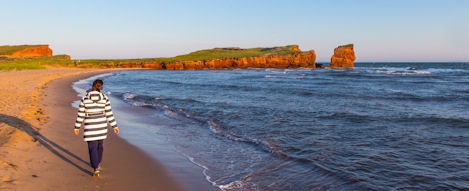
(217, 58)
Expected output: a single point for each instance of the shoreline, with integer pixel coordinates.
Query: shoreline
(39, 151)
(135, 123)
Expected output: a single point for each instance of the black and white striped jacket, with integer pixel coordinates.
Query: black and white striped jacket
(95, 113)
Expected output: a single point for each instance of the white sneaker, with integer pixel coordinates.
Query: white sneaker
(96, 173)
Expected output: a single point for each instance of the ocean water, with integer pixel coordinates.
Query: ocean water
(377, 126)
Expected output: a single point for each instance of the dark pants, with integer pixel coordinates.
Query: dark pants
(95, 149)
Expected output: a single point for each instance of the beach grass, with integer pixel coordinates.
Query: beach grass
(29, 63)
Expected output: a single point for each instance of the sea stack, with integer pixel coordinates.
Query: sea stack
(343, 57)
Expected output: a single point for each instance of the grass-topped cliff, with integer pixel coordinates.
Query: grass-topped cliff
(8, 50)
(7, 63)
(234, 52)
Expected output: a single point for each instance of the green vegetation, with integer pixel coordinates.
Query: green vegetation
(221, 53)
(7, 50)
(347, 45)
(33, 62)
(62, 61)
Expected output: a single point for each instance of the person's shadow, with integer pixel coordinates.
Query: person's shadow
(44, 141)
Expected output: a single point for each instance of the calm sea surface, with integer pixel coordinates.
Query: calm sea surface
(378, 126)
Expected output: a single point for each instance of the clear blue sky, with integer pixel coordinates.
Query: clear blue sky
(381, 30)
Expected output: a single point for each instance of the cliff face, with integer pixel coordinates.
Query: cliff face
(304, 59)
(40, 50)
(343, 57)
(301, 59)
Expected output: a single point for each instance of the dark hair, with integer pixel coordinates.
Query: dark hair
(97, 85)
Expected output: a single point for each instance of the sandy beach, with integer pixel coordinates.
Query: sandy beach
(38, 150)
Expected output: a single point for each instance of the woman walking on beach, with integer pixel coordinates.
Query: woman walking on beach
(95, 113)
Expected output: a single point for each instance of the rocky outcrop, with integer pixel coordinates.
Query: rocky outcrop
(343, 57)
(303, 59)
(33, 51)
(297, 60)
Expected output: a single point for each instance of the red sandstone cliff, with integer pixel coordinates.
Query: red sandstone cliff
(343, 57)
(40, 50)
(301, 59)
